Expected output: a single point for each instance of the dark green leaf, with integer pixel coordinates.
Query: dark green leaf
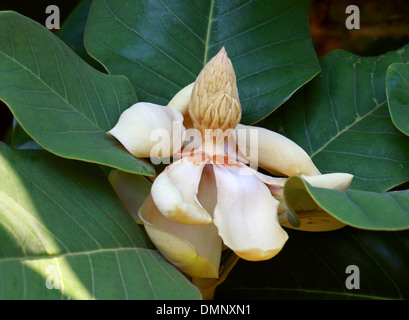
(72, 32)
(397, 89)
(59, 100)
(161, 46)
(313, 266)
(361, 209)
(341, 119)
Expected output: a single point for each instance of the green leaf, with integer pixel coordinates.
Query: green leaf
(59, 100)
(357, 208)
(61, 224)
(312, 265)
(72, 32)
(161, 46)
(19, 138)
(342, 121)
(397, 89)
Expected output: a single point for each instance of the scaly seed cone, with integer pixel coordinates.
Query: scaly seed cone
(214, 103)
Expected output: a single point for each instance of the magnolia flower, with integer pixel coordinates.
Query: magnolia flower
(212, 193)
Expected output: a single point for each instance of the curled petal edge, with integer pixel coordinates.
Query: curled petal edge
(175, 191)
(335, 181)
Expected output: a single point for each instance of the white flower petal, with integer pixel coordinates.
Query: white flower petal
(335, 181)
(136, 125)
(175, 191)
(181, 100)
(274, 152)
(195, 250)
(246, 214)
(275, 185)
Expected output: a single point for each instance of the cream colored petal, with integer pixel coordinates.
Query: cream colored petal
(140, 126)
(195, 250)
(273, 152)
(246, 214)
(132, 190)
(274, 184)
(230, 147)
(181, 102)
(335, 181)
(182, 99)
(175, 191)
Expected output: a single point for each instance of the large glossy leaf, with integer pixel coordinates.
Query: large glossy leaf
(72, 32)
(62, 102)
(358, 208)
(161, 46)
(397, 86)
(314, 266)
(61, 224)
(341, 119)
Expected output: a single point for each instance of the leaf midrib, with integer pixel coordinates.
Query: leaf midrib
(209, 27)
(346, 128)
(73, 254)
(146, 40)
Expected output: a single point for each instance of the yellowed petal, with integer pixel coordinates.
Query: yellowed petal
(181, 100)
(195, 250)
(246, 214)
(335, 181)
(313, 221)
(175, 191)
(274, 152)
(137, 124)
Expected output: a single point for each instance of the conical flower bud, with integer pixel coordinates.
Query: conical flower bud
(214, 103)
